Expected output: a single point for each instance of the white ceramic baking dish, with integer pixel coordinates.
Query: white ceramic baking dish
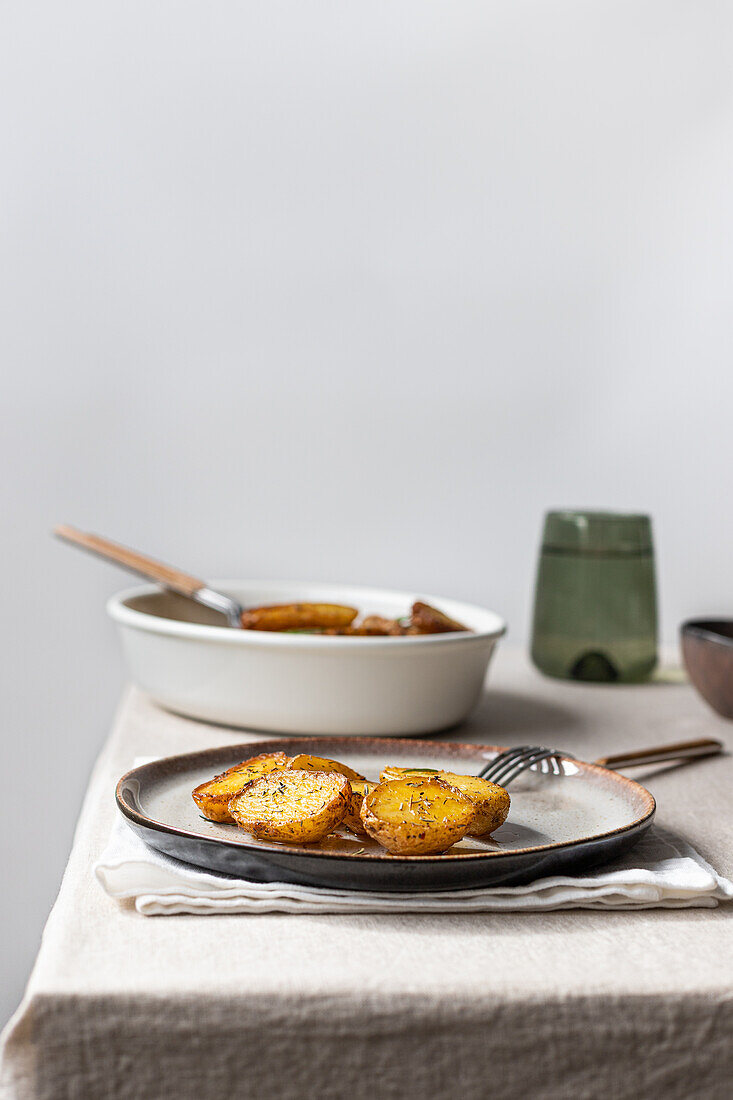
(304, 683)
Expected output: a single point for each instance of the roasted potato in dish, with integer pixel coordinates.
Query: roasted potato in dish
(419, 816)
(322, 764)
(428, 620)
(379, 625)
(352, 818)
(292, 805)
(298, 616)
(490, 800)
(213, 797)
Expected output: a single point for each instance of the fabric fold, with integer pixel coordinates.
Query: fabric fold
(661, 871)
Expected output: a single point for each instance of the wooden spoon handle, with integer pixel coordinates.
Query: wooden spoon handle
(166, 575)
(680, 751)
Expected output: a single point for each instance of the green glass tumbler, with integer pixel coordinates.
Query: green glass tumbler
(595, 613)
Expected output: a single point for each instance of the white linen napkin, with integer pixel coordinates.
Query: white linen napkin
(661, 871)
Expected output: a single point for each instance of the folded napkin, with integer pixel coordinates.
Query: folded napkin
(661, 871)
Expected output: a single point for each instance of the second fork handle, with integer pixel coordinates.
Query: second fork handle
(681, 750)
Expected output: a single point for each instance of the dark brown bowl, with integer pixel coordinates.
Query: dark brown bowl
(707, 650)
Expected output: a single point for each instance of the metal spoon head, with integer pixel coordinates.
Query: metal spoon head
(217, 601)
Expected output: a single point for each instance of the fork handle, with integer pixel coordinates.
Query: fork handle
(681, 750)
(166, 575)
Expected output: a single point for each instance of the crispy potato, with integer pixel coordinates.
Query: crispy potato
(352, 818)
(378, 624)
(428, 620)
(298, 616)
(372, 625)
(419, 816)
(322, 764)
(491, 801)
(292, 805)
(214, 796)
(359, 786)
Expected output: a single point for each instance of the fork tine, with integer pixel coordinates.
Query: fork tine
(497, 764)
(525, 764)
(508, 760)
(507, 765)
(520, 763)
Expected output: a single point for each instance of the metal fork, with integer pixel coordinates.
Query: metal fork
(512, 762)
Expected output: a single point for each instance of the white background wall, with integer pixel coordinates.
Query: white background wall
(347, 291)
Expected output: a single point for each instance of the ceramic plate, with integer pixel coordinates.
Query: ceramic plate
(556, 824)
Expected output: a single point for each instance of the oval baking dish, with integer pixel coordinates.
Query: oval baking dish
(187, 662)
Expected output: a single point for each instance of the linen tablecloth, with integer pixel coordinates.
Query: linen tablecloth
(274, 1007)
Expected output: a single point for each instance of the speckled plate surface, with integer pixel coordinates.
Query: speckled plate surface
(556, 825)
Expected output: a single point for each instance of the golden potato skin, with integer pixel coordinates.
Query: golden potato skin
(417, 816)
(407, 773)
(352, 817)
(214, 796)
(379, 625)
(292, 805)
(491, 801)
(322, 764)
(428, 620)
(298, 616)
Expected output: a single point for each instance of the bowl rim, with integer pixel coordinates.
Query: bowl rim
(704, 628)
(121, 613)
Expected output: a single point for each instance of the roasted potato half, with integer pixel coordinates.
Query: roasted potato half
(428, 620)
(213, 797)
(490, 800)
(379, 625)
(322, 764)
(292, 805)
(417, 816)
(352, 818)
(298, 616)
